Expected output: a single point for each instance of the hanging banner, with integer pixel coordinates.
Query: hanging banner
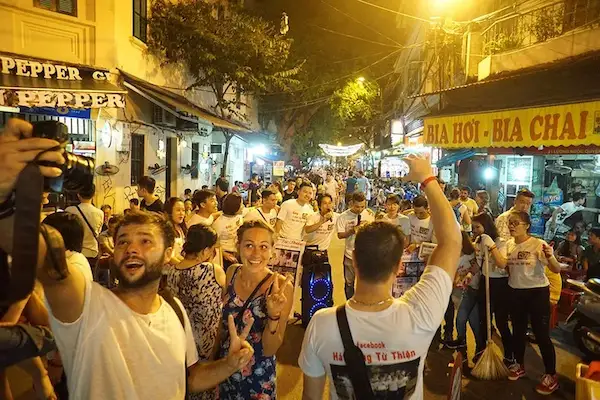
(573, 124)
(340, 151)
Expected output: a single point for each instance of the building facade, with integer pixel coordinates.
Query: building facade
(158, 129)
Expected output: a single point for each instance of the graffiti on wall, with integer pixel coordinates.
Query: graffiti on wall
(160, 191)
(130, 192)
(108, 191)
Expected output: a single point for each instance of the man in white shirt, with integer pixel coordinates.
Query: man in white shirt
(294, 213)
(129, 343)
(347, 225)
(394, 335)
(92, 219)
(522, 203)
(321, 226)
(267, 212)
(556, 224)
(421, 224)
(394, 217)
(205, 203)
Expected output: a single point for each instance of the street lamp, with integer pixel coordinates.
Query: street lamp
(339, 143)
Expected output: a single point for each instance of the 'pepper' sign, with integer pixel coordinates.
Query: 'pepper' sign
(567, 125)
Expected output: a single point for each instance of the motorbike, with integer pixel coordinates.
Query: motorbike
(586, 313)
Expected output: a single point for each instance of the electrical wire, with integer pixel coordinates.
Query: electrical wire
(393, 11)
(360, 23)
(355, 37)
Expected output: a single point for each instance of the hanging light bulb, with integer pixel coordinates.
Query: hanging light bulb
(183, 143)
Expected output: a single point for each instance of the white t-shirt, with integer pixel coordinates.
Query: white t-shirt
(421, 230)
(79, 261)
(486, 241)
(401, 220)
(527, 264)
(112, 352)
(226, 227)
(259, 214)
(394, 341)
(322, 236)
(294, 217)
(348, 220)
(198, 219)
(462, 211)
(95, 217)
(331, 188)
(502, 225)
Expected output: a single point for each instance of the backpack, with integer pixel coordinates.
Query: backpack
(456, 210)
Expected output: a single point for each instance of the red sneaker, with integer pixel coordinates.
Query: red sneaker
(515, 372)
(548, 385)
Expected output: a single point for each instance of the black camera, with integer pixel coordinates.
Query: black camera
(78, 171)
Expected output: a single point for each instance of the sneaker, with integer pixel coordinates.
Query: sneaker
(455, 344)
(548, 385)
(508, 362)
(515, 372)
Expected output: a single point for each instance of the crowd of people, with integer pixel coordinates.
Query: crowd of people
(178, 298)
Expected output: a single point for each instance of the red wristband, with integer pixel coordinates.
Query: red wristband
(426, 181)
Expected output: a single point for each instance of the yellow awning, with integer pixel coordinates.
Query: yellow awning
(562, 125)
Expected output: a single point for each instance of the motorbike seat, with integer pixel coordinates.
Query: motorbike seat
(593, 285)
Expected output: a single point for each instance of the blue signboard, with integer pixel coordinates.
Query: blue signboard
(58, 112)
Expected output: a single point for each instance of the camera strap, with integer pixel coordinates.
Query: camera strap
(28, 197)
(355, 360)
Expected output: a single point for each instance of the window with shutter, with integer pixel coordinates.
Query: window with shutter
(68, 7)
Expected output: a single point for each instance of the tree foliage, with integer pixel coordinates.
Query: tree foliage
(227, 50)
(357, 103)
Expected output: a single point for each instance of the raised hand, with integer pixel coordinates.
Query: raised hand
(419, 168)
(240, 351)
(276, 299)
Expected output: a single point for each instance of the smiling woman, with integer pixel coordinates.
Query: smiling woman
(254, 291)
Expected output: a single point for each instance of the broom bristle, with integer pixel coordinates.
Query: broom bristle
(490, 366)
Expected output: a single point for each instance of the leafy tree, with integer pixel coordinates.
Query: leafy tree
(229, 51)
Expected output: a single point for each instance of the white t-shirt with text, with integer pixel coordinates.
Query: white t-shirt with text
(527, 264)
(322, 236)
(395, 341)
(259, 214)
(226, 227)
(348, 220)
(95, 217)
(112, 352)
(294, 217)
(421, 230)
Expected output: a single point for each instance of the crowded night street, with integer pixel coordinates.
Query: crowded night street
(303, 200)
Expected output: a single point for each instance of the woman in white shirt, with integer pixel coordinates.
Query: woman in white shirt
(227, 226)
(527, 259)
(486, 235)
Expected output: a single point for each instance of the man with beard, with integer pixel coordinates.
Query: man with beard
(129, 343)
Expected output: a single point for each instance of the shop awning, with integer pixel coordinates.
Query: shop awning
(177, 104)
(551, 106)
(454, 156)
(29, 82)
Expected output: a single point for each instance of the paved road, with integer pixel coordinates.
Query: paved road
(289, 376)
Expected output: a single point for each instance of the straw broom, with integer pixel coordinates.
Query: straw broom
(490, 365)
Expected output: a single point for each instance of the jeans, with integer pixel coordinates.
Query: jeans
(349, 276)
(449, 321)
(500, 295)
(533, 304)
(21, 342)
(468, 311)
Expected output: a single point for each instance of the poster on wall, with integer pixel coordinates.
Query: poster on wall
(278, 168)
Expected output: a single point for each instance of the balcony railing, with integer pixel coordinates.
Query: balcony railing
(538, 25)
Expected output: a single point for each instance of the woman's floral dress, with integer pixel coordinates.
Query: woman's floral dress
(256, 381)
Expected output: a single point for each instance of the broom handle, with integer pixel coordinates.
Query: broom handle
(487, 295)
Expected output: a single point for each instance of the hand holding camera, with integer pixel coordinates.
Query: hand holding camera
(18, 148)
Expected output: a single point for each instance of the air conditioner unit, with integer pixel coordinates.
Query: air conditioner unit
(216, 148)
(160, 116)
